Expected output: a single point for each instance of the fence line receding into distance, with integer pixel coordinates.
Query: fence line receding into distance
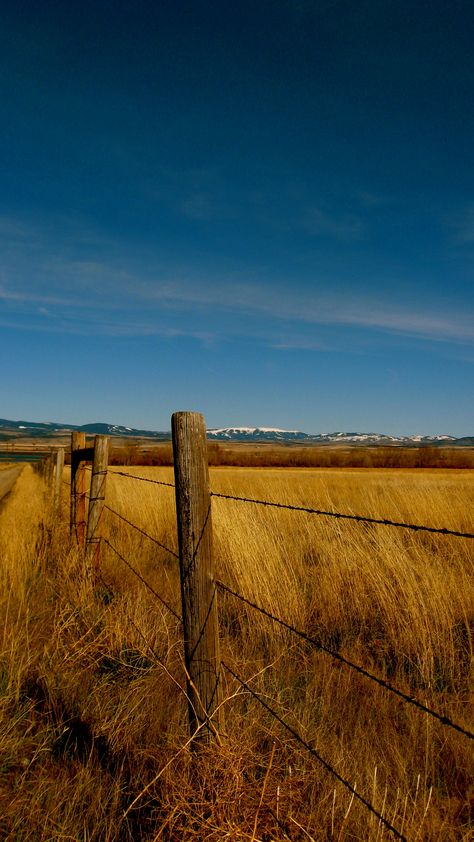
(199, 585)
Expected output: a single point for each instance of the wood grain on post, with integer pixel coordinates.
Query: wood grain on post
(58, 477)
(96, 501)
(198, 588)
(49, 476)
(52, 470)
(78, 488)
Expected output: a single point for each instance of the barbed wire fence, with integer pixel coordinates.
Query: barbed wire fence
(193, 496)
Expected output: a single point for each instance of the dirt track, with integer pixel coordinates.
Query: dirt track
(8, 477)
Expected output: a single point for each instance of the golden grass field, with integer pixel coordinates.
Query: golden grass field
(94, 740)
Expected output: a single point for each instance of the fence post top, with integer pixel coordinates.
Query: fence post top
(177, 416)
(188, 423)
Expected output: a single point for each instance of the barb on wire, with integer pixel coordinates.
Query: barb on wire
(382, 521)
(317, 755)
(445, 720)
(84, 494)
(141, 479)
(144, 581)
(142, 531)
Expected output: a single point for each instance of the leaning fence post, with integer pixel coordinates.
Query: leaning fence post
(96, 501)
(198, 588)
(58, 477)
(78, 488)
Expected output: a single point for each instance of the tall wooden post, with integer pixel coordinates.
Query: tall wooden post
(50, 470)
(78, 487)
(47, 471)
(198, 589)
(58, 477)
(96, 501)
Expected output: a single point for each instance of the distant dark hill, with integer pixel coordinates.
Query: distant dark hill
(35, 429)
(118, 430)
(38, 429)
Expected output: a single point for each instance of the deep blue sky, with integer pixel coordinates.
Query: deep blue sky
(260, 210)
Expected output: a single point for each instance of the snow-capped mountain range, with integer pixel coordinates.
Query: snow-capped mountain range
(34, 429)
(223, 434)
(275, 434)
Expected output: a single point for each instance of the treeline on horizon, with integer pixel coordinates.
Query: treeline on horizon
(304, 457)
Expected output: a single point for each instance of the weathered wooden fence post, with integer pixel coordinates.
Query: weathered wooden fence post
(49, 475)
(42, 467)
(198, 588)
(78, 487)
(58, 477)
(47, 468)
(96, 501)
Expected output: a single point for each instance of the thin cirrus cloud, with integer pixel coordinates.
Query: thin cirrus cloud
(463, 226)
(90, 321)
(200, 208)
(346, 227)
(46, 280)
(26, 297)
(264, 304)
(56, 286)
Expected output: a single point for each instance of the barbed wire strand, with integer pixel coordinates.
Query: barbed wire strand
(144, 581)
(83, 493)
(148, 644)
(415, 527)
(141, 479)
(142, 531)
(383, 522)
(445, 720)
(318, 756)
(132, 622)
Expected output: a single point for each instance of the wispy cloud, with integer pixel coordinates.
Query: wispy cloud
(12, 229)
(128, 295)
(199, 207)
(299, 343)
(320, 309)
(463, 225)
(25, 297)
(318, 222)
(103, 327)
(263, 303)
(370, 200)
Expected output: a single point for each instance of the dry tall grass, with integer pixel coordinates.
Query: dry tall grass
(94, 734)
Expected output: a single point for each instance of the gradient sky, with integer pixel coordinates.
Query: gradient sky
(263, 211)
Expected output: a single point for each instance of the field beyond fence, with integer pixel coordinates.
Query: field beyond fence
(291, 456)
(342, 699)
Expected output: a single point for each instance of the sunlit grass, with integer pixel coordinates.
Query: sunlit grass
(93, 686)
